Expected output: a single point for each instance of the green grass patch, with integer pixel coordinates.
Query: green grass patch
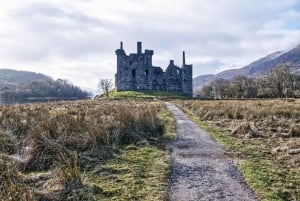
(147, 95)
(169, 124)
(139, 173)
(269, 180)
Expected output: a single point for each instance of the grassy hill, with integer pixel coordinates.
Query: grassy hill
(161, 95)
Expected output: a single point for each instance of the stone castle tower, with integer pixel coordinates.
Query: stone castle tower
(136, 72)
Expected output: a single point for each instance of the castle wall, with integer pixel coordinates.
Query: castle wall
(136, 72)
(173, 77)
(187, 79)
(159, 79)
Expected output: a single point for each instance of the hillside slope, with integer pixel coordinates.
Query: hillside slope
(24, 84)
(256, 68)
(14, 77)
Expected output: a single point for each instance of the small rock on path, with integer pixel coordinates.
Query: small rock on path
(200, 168)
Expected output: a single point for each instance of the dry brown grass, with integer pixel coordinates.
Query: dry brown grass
(277, 121)
(62, 140)
(12, 186)
(264, 131)
(264, 117)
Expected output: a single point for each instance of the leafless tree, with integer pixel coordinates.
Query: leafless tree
(105, 85)
(221, 87)
(279, 82)
(206, 92)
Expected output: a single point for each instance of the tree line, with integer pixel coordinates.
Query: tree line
(280, 82)
(42, 89)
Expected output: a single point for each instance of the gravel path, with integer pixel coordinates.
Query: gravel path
(200, 169)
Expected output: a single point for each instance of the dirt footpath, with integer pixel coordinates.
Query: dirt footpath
(200, 169)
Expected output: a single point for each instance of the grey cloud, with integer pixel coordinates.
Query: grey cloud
(39, 12)
(54, 31)
(224, 31)
(83, 34)
(44, 9)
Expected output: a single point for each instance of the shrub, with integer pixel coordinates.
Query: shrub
(7, 143)
(12, 186)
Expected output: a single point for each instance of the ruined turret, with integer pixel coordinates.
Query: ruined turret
(136, 72)
(187, 77)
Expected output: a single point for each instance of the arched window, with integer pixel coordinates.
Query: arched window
(133, 73)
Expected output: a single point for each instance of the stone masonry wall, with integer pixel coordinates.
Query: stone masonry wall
(135, 72)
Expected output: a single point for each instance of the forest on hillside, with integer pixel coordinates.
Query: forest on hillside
(43, 89)
(280, 82)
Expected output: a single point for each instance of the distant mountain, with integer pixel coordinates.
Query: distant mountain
(202, 80)
(14, 77)
(23, 85)
(256, 68)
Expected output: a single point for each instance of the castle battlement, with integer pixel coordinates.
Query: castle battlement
(136, 72)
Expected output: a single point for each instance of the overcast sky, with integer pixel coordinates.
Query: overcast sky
(76, 40)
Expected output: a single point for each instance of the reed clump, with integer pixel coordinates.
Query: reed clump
(271, 117)
(65, 139)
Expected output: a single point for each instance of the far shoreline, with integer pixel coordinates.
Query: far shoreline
(39, 100)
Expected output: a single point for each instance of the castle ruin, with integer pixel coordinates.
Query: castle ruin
(136, 72)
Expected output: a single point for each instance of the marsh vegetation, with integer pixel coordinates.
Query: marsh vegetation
(84, 150)
(114, 149)
(263, 136)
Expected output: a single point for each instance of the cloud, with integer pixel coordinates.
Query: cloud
(51, 31)
(76, 39)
